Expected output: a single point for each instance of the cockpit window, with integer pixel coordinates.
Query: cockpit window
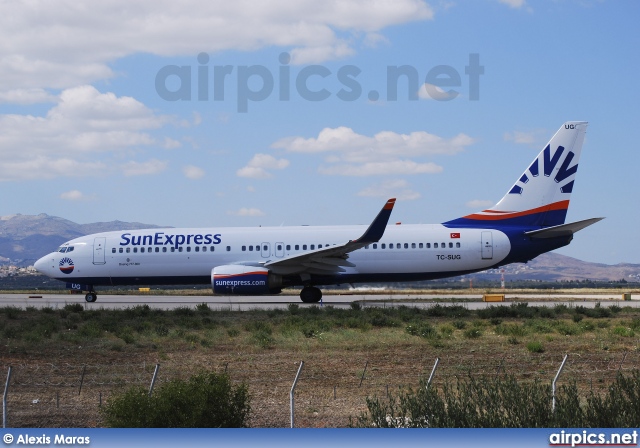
(65, 249)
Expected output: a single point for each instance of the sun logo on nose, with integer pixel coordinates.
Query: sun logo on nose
(66, 265)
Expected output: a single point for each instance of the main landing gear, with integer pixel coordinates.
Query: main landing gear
(310, 294)
(91, 296)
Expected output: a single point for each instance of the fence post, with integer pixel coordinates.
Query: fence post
(363, 372)
(293, 388)
(433, 371)
(622, 362)
(553, 385)
(4, 399)
(84, 369)
(153, 380)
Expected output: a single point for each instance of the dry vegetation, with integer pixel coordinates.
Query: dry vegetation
(349, 354)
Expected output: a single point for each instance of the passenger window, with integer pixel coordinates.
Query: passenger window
(121, 250)
(128, 249)
(297, 247)
(457, 244)
(413, 245)
(212, 248)
(382, 246)
(189, 249)
(406, 246)
(304, 247)
(113, 251)
(197, 248)
(420, 246)
(164, 249)
(450, 245)
(135, 250)
(443, 245)
(288, 246)
(180, 249)
(244, 248)
(312, 247)
(228, 248)
(435, 245)
(142, 250)
(250, 249)
(265, 248)
(375, 246)
(173, 249)
(157, 249)
(390, 246)
(204, 248)
(279, 246)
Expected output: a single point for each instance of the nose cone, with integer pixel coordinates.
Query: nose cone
(43, 265)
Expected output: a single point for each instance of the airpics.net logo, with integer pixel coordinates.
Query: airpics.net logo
(588, 438)
(207, 81)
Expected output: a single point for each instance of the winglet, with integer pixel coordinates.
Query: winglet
(378, 226)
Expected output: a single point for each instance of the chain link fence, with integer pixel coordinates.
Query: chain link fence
(328, 393)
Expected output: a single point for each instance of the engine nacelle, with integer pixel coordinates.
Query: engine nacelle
(238, 279)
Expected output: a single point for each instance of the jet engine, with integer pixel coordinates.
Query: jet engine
(239, 279)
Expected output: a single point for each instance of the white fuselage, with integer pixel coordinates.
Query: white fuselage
(167, 256)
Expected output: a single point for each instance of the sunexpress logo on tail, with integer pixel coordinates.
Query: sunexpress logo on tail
(168, 239)
(549, 163)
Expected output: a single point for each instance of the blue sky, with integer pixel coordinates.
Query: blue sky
(86, 134)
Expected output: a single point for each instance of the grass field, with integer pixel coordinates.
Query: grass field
(65, 362)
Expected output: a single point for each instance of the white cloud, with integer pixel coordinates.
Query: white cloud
(479, 204)
(386, 153)
(43, 167)
(393, 168)
(27, 96)
(259, 166)
(133, 168)
(75, 195)
(84, 122)
(398, 189)
(193, 172)
(246, 212)
(531, 138)
(516, 4)
(59, 45)
(431, 92)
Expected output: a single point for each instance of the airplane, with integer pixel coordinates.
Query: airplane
(528, 221)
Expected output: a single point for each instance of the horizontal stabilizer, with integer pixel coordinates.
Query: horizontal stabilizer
(562, 230)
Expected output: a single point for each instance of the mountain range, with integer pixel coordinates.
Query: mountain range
(25, 238)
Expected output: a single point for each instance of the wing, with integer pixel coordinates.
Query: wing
(332, 259)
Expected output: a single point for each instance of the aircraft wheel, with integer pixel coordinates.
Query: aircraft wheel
(91, 297)
(310, 294)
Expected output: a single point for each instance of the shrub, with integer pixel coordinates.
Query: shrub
(459, 324)
(473, 333)
(535, 347)
(74, 307)
(206, 400)
(203, 308)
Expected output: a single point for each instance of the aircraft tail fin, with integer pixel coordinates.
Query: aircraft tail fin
(540, 196)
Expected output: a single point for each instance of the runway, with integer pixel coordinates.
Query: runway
(243, 303)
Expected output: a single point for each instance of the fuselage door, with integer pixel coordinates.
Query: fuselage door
(99, 244)
(266, 250)
(487, 246)
(279, 250)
